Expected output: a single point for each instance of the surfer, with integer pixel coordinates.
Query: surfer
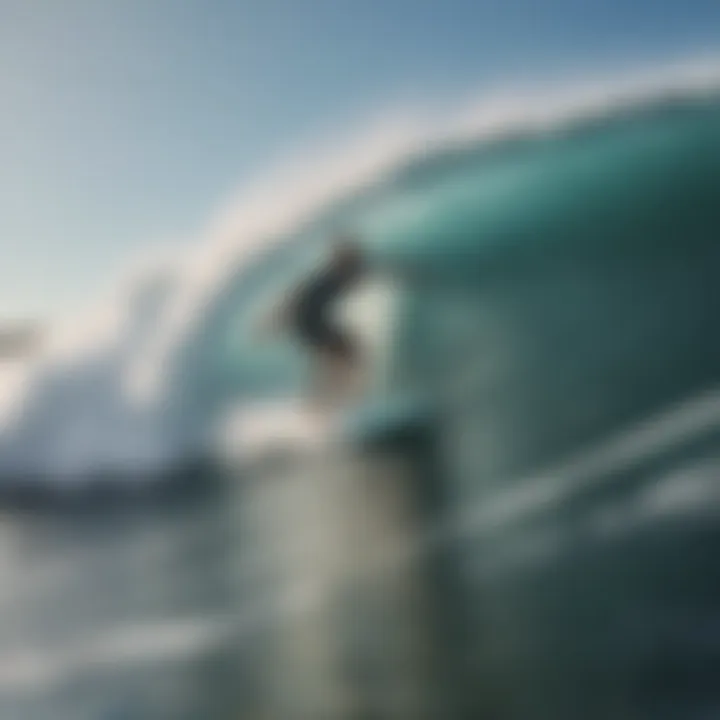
(307, 313)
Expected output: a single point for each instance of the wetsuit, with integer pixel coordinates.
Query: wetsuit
(313, 305)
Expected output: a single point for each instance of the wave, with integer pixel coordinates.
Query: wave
(133, 383)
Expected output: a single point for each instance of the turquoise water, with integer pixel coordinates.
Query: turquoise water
(586, 202)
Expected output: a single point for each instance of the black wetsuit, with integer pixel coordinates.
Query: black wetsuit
(313, 305)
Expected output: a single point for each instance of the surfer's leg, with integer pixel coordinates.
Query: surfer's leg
(344, 366)
(346, 380)
(336, 368)
(330, 381)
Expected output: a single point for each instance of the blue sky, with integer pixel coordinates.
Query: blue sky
(125, 123)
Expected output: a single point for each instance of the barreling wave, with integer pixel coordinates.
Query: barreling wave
(500, 181)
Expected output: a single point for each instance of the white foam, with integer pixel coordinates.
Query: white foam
(252, 432)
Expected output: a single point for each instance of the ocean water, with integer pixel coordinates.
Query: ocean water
(557, 514)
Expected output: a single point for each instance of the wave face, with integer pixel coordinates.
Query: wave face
(608, 225)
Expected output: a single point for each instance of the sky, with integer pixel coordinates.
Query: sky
(128, 123)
